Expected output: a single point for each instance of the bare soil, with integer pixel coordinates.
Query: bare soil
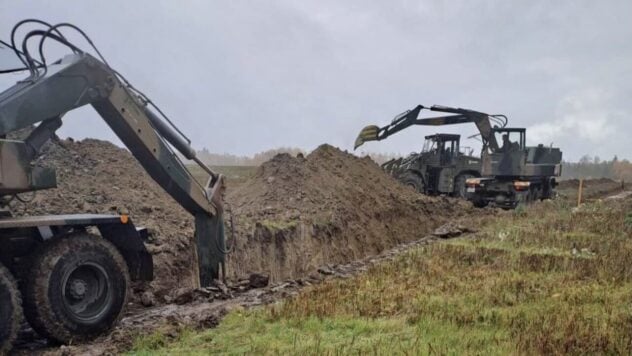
(298, 213)
(298, 220)
(294, 215)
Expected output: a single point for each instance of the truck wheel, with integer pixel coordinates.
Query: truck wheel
(76, 288)
(10, 310)
(414, 181)
(460, 189)
(480, 203)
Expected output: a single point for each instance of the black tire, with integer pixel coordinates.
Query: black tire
(10, 310)
(480, 203)
(414, 181)
(76, 288)
(460, 189)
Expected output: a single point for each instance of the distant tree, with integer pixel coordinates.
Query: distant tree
(585, 159)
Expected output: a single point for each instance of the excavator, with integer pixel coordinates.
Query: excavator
(511, 173)
(441, 167)
(69, 275)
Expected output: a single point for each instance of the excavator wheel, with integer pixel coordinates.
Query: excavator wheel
(76, 288)
(480, 203)
(414, 181)
(460, 189)
(10, 310)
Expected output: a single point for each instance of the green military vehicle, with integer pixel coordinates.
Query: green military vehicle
(515, 173)
(510, 174)
(75, 270)
(441, 167)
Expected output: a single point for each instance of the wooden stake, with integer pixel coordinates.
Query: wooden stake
(581, 189)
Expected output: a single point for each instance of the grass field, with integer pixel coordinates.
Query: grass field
(545, 279)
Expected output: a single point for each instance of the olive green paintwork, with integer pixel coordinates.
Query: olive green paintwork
(80, 79)
(438, 168)
(501, 165)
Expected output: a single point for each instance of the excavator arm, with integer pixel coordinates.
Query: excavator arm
(411, 118)
(80, 79)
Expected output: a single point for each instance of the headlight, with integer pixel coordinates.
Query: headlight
(473, 182)
(520, 185)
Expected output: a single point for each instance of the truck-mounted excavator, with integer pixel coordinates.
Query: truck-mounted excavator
(511, 172)
(69, 275)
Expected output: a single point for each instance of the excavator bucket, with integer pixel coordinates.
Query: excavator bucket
(368, 133)
(210, 236)
(210, 244)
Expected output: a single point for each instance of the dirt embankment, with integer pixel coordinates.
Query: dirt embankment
(98, 177)
(298, 213)
(294, 215)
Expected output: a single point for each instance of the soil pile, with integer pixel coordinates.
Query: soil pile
(293, 216)
(98, 177)
(298, 213)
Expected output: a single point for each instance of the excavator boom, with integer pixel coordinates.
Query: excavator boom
(411, 117)
(81, 265)
(80, 79)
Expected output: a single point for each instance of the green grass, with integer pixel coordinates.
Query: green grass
(253, 332)
(545, 280)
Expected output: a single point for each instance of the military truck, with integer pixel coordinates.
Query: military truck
(441, 167)
(511, 174)
(515, 173)
(70, 275)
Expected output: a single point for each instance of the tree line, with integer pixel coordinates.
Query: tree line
(587, 167)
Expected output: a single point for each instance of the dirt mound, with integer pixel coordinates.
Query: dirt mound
(98, 177)
(293, 216)
(297, 213)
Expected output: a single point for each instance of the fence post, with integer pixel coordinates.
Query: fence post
(579, 193)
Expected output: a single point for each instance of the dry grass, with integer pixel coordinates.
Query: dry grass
(544, 280)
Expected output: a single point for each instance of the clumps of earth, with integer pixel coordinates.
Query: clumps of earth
(292, 216)
(298, 213)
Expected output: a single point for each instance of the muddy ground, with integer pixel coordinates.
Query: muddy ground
(298, 220)
(293, 217)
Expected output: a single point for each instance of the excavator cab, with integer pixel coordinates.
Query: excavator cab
(510, 139)
(445, 148)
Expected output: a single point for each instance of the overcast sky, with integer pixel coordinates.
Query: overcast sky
(246, 76)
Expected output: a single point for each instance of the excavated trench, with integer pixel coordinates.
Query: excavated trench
(293, 216)
(298, 220)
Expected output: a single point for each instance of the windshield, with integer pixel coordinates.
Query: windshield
(508, 141)
(429, 145)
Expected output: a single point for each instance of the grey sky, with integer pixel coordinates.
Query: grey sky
(245, 76)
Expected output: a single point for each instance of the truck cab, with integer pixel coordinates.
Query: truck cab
(515, 173)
